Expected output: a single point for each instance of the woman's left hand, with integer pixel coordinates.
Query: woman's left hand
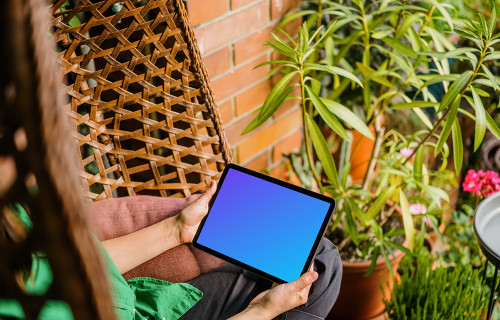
(188, 220)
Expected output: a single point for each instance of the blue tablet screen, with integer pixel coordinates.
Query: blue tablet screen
(263, 225)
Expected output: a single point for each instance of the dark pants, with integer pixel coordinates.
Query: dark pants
(229, 289)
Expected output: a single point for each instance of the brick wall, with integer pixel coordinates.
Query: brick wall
(231, 36)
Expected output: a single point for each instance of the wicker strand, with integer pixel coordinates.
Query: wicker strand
(205, 79)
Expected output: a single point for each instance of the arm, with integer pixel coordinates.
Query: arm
(131, 250)
(273, 302)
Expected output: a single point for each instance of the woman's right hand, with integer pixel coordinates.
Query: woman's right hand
(279, 299)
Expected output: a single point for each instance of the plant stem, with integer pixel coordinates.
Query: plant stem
(427, 19)
(306, 135)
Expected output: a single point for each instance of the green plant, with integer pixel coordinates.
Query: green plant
(437, 293)
(388, 53)
(461, 239)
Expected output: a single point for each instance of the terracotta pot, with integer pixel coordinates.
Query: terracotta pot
(361, 297)
(360, 154)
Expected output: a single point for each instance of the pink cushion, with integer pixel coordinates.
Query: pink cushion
(116, 217)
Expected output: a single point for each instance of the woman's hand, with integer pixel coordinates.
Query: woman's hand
(279, 299)
(188, 220)
(135, 248)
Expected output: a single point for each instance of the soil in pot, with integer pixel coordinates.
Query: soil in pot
(362, 297)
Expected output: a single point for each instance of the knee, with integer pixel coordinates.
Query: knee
(328, 255)
(329, 266)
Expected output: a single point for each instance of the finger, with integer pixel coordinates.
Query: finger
(312, 266)
(304, 281)
(204, 199)
(207, 195)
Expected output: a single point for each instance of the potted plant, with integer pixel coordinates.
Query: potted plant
(428, 292)
(404, 51)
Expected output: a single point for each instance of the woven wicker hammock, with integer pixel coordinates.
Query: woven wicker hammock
(143, 115)
(141, 103)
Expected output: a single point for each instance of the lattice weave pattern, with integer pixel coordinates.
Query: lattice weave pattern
(141, 105)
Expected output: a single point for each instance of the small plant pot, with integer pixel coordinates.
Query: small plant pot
(361, 298)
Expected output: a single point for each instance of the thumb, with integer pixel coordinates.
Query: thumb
(204, 199)
(304, 281)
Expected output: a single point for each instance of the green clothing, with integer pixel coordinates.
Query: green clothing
(134, 299)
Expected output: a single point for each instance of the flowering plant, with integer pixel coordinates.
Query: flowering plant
(482, 183)
(374, 57)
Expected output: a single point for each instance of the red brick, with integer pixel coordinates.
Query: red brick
(239, 79)
(280, 7)
(226, 111)
(232, 27)
(252, 45)
(289, 144)
(261, 162)
(268, 136)
(235, 4)
(234, 130)
(218, 62)
(199, 11)
(252, 98)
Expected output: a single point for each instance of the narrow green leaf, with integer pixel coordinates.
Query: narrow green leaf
(379, 203)
(357, 211)
(444, 12)
(423, 117)
(457, 52)
(323, 152)
(490, 76)
(493, 19)
(415, 104)
(328, 31)
(272, 62)
(400, 47)
(376, 253)
(458, 147)
(351, 226)
(336, 221)
(371, 74)
(407, 220)
(287, 51)
(418, 164)
(326, 114)
(445, 133)
(437, 79)
(407, 23)
(268, 112)
(492, 56)
(454, 89)
(333, 70)
(480, 129)
(348, 116)
(296, 15)
(386, 259)
(492, 126)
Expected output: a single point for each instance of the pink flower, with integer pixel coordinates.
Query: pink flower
(418, 208)
(483, 184)
(406, 152)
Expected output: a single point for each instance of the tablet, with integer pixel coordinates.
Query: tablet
(263, 224)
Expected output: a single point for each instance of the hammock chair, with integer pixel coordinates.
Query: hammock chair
(143, 121)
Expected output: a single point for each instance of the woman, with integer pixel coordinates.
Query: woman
(226, 292)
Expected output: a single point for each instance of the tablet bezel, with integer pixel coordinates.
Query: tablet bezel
(287, 185)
